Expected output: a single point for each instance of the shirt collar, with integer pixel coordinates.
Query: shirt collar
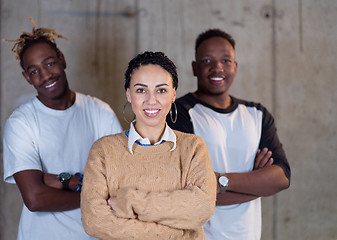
(134, 137)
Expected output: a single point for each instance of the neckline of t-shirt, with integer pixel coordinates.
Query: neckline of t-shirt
(219, 110)
(49, 110)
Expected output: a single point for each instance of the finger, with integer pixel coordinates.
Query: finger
(265, 159)
(188, 186)
(109, 202)
(270, 162)
(259, 157)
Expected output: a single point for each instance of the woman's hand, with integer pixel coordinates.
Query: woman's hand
(112, 203)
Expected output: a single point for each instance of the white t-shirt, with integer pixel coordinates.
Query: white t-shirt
(235, 136)
(40, 138)
(232, 136)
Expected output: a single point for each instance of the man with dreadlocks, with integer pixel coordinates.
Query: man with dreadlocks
(47, 141)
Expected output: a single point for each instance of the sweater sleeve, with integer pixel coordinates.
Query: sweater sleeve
(182, 209)
(99, 220)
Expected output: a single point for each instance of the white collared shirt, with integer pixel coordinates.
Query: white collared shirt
(134, 137)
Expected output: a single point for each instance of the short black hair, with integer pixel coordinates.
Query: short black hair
(30, 42)
(155, 58)
(213, 33)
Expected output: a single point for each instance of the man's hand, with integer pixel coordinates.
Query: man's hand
(263, 159)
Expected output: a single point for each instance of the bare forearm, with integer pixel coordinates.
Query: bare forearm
(54, 200)
(52, 181)
(229, 198)
(37, 196)
(263, 182)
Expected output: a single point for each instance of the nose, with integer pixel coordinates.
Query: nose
(45, 74)
(217, 66)
(151, 98)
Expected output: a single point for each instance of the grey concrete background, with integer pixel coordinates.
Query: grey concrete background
(287, 54)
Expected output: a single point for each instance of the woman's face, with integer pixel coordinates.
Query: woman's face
(151, 94)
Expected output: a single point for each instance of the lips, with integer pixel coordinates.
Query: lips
(50, 85)
(151, 112)
(217, 78)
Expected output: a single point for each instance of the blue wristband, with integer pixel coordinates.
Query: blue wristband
(78, 188)
(80, 178)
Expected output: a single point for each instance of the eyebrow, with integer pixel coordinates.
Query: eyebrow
(43, 61)
(210, 55)
(144, 85)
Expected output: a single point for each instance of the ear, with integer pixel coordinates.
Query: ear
(174, 95)
(194, 68)
(25, 75)
(63, 61)
(236, 66)
(128, 97)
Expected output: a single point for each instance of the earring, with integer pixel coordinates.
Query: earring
(125, 105)
(175, 111)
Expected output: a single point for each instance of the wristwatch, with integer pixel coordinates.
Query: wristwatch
(64, 178)
(223, 180)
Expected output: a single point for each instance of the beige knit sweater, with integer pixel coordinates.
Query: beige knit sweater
(152, 202)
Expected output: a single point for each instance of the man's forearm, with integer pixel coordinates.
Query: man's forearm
(229, 198)
(263, 182)
(55, 200)
(52, 181)
(39, 197)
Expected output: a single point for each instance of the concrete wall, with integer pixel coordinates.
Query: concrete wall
(287, 56)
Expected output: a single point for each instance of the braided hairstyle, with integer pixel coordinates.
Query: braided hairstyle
(27, 39)
(155, 58)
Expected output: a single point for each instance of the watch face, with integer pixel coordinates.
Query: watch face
(223, 180)
(64, 176)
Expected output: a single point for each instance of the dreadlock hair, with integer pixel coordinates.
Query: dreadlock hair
(27, 39)
(155, 58)
(213, 33)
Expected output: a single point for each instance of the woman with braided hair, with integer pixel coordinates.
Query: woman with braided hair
(47, 141)
(149, 182)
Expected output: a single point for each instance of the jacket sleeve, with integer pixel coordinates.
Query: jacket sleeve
(99, 220)
(182, 209)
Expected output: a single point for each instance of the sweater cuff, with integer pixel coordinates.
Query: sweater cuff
(124, 199)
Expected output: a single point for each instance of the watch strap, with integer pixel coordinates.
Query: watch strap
(65, 184)
(223, 188)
